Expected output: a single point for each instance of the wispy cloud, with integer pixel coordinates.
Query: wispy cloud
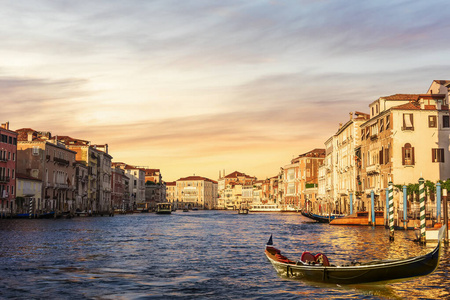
(198, 86)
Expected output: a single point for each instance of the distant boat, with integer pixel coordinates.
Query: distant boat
(243, 211)
(195, 208)
(359, 218)
(265, 208)
(163, 208)
(318, 268)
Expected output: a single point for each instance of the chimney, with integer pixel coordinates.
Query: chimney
(29, 136)
(106, 148)
(5, 125)
(351, 115)
(340, 125)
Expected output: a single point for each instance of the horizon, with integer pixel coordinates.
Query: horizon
(198, 87)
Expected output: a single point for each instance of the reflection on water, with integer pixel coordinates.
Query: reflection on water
(202, 254)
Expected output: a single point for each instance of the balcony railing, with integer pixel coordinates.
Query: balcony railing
(4, 179)
(61, 161)
(3, 159)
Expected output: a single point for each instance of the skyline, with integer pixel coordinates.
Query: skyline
(198, 87)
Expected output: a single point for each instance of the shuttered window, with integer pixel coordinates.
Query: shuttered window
(408, 122)
(437, 155)
(408, 155)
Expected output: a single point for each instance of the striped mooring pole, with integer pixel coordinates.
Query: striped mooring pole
(30, 208)
(391, 211)
(422, 210)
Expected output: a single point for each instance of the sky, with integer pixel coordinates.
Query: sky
(198, 87)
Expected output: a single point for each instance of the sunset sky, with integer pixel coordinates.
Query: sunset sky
(195, 87)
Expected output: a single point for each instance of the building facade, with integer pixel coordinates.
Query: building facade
(197, 192)
(8, 157)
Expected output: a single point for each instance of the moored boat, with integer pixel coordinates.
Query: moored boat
(318, 268)
(265, 208)
(163, 208)
(360, 218)
(321, 218)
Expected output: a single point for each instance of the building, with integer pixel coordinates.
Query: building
(196, 192)
(136, 185)
(48, 160)
(171, 192)
(407, 137)
(153, 175)
(105, 205)
(8, 156)
(118, 189)
(300, 174)
(28, 196)
(230, 188)
(81, 187)
(346, 140)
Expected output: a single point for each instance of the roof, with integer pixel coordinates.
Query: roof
(196, 178)
(408, 106)
(236, 174)
(172, 183)
(23, 176)
(402, 97)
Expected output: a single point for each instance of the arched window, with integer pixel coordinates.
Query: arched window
(408, 155)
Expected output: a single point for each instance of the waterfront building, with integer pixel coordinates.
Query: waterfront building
(154, 193)
(230, 189)
(346, 140)
(257, 193)
(41, 157)
(105, 204)
(153, 175)
(171, 192)
(8, 170)
(136, 177)
(300, 174)
(196, 192)
(81, 187)
(118, 189)
(28, 195)
(406, 138)
(98, 161)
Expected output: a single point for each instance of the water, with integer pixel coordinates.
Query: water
(194, 255)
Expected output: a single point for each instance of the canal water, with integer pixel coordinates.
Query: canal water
(194, 255)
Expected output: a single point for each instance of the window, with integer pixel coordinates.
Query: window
(432, 121)
(445, 122)
(408, 155)
(381, 156)
(362, 134)
(386, 155)
(437, 155)
(408, 122)
(381, 124)
(388, 122)
(35, 150)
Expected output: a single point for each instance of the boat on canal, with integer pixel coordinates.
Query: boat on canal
(318, 268)
(163, 208)
(321, 218)
(360, 218)
(265, 208)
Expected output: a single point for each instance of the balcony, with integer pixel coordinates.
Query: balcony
(61, 186)
(3, 159)
(4, 179)
(373, 169)
(61, 161)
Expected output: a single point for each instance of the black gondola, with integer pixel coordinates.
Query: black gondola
(374, 271)
(320, 218)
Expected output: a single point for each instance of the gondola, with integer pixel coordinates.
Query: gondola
(320, 218)
(317, 267)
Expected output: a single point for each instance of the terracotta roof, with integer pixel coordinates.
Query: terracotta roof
(408, 106)
(196, 178)
(236, 174)
(402, 97)
(172, 183)
(442, 82)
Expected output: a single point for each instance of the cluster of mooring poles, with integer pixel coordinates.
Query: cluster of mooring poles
(390, 209)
